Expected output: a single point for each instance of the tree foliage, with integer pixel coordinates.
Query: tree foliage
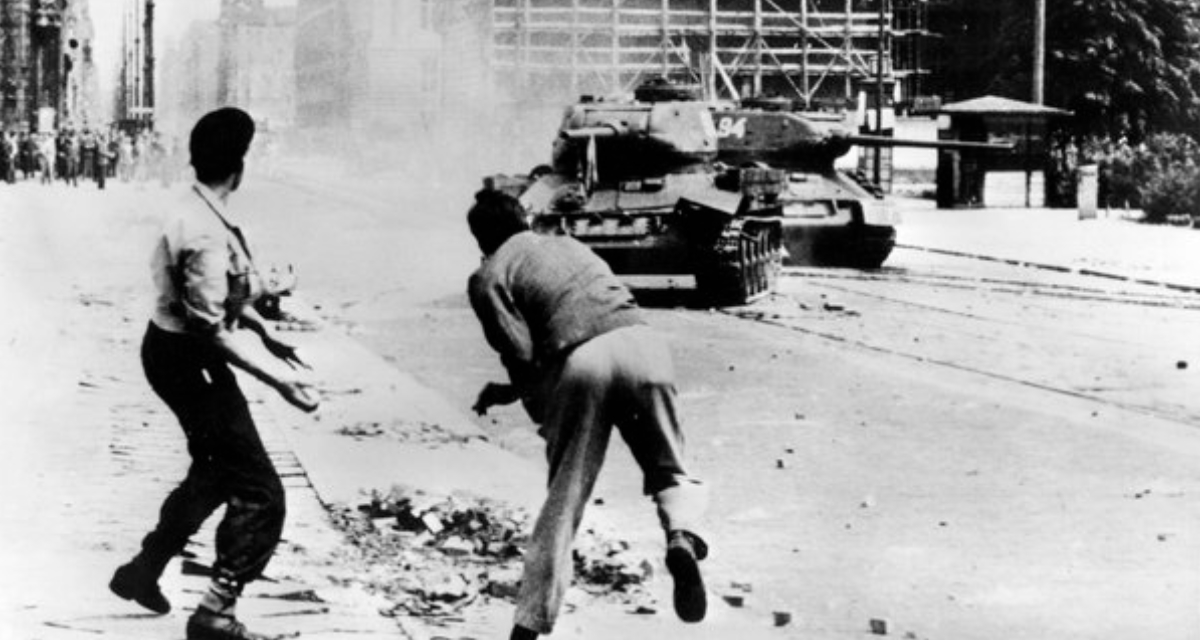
(1127, 68)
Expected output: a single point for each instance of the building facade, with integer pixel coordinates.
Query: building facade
(813, 51)
(256, 68)
(368, 65)
(244, 58)
(47, 75)
(188, 79)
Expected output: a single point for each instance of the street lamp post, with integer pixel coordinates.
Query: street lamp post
(1039, 51)
(879, 91)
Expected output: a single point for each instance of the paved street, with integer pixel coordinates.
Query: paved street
(90, 452)
(948, 517)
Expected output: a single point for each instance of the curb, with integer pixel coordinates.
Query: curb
(1056, 268)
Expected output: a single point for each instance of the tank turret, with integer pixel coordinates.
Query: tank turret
(628, 141)
(807, 141)
(830, 217)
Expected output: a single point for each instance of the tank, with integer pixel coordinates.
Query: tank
(831, 217)
(636, 181)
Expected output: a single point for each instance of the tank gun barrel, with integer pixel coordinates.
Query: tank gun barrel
(949, 145)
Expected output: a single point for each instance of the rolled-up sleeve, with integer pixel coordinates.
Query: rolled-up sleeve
(204, 282)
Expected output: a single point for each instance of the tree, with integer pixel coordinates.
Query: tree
(1127, 68)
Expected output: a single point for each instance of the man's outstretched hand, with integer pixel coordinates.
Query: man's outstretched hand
(285, 352)
(493, 394)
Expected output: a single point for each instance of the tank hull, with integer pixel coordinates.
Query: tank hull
(861, 246)
(685, 227)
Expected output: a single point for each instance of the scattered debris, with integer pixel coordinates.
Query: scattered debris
(735, 600)
(879, 626)
(783, 618)
(503, 582)
(304, 595)
(606, 566)
(362, 430)
(417, 432)
(433, 555)
(1181, 365)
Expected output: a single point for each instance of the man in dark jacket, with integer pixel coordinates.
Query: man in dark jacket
(581, 358)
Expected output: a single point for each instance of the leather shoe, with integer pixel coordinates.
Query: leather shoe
(209, 625)
(130, 583)
(684, 550)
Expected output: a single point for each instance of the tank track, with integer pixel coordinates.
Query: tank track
(745, 263)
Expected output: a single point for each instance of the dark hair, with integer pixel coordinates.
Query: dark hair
(219, 142)
(494, 218)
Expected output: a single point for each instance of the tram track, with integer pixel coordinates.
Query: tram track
(1000, 285)
(974, 319)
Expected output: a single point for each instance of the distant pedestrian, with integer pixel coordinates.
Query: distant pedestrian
(125, 157)
(47, 151)
(206, 284)
(8, 157)
(580, 357)
(101, 156)
(88, 147)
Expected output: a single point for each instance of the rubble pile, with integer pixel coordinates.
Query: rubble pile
(605, 566)
(433, 556)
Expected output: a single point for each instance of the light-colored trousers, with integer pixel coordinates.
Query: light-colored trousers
(623, 378)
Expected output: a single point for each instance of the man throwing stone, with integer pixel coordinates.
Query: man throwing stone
(582, 360)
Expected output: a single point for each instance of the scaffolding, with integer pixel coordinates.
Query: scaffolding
(815, 51)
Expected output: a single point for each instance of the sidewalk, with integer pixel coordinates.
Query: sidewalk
(1056, 239)
(90, 454)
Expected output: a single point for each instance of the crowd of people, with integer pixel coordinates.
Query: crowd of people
(72, 155)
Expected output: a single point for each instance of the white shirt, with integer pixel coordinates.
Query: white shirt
(202, 270)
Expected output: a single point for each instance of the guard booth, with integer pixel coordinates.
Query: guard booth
(875, 121)
(1015, 178)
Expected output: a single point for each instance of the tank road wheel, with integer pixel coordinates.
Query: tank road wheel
(744, 265)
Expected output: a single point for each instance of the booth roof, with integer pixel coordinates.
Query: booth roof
(998, 105)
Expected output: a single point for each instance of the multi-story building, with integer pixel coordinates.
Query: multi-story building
(479, 67)
(188, 78)
(245, 58)
(81, 106)
(134, 99)
(811, 50)
(383, 60)
(255, 60)
(368, 65)
(47, 78)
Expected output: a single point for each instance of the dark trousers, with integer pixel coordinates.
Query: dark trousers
(229, 466)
